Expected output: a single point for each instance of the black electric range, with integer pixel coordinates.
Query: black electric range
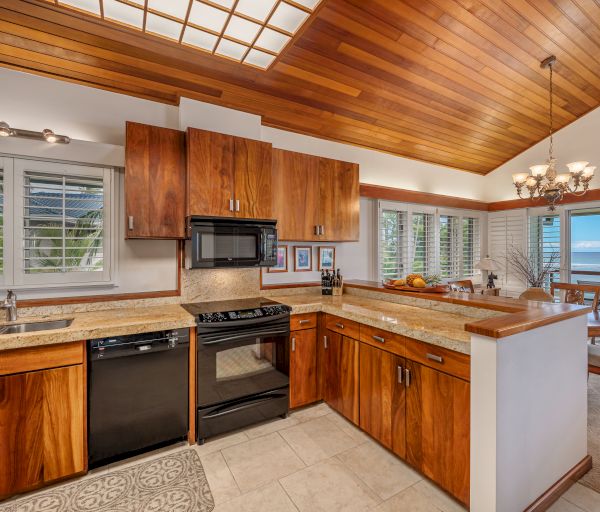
(243, 363)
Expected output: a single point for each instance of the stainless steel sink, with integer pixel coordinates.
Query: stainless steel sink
(35, 326)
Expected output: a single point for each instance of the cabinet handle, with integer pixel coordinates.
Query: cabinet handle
(130, 221)
(302, 322)
(325, 342)
(294, 344)
(407, 377)
(379, 339)
(322, 229)
(231, 205)
(400, 370)
(237, 205)
(433, 357)
(339, 326)
(317, 230)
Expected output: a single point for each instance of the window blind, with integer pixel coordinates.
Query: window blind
(393, 245)
(423, 231)
(471, 244)
(63, 223)
(1, 221)
(450, 237)
(544, 241)
(507, 230)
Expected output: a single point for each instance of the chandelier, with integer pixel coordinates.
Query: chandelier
(544, 181)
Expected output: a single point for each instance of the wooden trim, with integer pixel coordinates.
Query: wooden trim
(552, 495)
(412, 196)
(288, 285)
(192, 387)
(512, 204)
(87, 299)
(43, 357)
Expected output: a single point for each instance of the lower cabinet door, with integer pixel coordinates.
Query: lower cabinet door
(383, 397)
(437, 427)
(303, 368)
(42, 430)
(340, 367)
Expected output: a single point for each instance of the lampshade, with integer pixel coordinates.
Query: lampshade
(487, 264)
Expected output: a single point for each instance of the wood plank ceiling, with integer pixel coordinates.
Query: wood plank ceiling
(452, 82)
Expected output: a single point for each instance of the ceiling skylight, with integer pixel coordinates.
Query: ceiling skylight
(253, 32)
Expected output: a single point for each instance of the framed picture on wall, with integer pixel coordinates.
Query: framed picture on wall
(326, 258)
(282, 260)
(302, 259)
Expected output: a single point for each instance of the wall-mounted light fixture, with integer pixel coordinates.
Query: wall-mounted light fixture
(45, 135)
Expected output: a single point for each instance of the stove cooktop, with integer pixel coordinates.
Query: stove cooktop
(232, 310)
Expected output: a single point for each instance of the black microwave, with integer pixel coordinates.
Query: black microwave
(226, 242)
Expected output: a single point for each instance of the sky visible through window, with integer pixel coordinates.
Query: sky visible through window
(585, 246)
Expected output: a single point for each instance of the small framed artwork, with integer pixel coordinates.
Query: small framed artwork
(326, 258)
(302, 259)
(282, 260)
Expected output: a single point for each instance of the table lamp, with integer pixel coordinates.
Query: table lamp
(488, 265)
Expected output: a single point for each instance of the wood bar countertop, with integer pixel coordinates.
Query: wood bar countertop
(521, 315)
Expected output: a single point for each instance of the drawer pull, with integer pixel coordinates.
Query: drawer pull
(339, 326)
(302, 322)
(433, 357)
(293, 344)
(379, 339)
(407, 377)
(325, 342)
(400, 371)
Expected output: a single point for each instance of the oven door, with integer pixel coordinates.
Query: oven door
(242, 358)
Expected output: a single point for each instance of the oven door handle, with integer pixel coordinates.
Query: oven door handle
(252, 403)
(250, 334)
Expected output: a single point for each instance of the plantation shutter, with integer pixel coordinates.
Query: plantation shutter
(544, 242)
(450, 243)
(63, 223)
(393, 243)
(507, 230)
(1, 221)
(471, 248)
(423, 243)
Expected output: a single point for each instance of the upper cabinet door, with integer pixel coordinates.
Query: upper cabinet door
(252, 164)
(154, 182)
(295, 181)
(211, 175)
(339, 200)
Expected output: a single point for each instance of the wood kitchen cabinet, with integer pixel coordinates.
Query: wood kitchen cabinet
(42, 419)
(315, 199)
(228, 176)
(155, 182)
(438, 427)
(383, 397)
(303, 368)
(340, 374)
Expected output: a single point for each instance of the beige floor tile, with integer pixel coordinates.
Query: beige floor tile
(382, 471)
(220, 479)
(348, 427)
(260, 461)
(317, 440)
(328, 487)
(215, 444)
(563, 505)
(270, 498)
(409, 500)
(271, 426)
(311, 412)
(438, 497)
(583, 497)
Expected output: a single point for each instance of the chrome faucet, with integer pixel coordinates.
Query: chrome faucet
(10, 304)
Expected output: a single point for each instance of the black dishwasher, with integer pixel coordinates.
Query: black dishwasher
(137, 393)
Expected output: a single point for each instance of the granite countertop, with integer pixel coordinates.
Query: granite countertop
(438, 328)
(98, 324)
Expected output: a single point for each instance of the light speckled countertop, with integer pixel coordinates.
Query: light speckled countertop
(437, 327)
(99, 324)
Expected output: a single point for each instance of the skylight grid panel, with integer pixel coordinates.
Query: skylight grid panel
(256, 9)
(242, 29)
(123, 13)
(199, 39)
(90, 6)
(175, 8)
(288, 18)
(209, 17)
(162, 26)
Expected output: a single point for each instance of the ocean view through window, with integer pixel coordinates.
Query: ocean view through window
(585, 246)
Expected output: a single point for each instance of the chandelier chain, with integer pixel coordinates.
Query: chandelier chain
(551, 113)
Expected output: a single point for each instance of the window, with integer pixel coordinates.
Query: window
(61, 224)
(422, 240)
(544, 244)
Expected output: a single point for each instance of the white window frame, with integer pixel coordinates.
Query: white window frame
(6, 277)
(410, 209)
(17, 278)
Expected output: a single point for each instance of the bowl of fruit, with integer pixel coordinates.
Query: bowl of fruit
(417, 283)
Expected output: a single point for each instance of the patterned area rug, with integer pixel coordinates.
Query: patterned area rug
(592, 478)
(173, 483)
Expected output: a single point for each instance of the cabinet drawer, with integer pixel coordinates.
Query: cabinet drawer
(448, 361)
(303, 321)
(385, 340)
(42, 357)
(342, 326)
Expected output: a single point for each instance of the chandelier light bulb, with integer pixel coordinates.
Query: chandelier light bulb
(563, 178)
(531, 181)
(577, 166)
(588, 172)
(520, 177)
(539, 170)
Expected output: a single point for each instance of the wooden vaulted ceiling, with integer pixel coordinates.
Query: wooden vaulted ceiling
(452, 82)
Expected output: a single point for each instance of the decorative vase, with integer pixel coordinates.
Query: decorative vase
(537, 294)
